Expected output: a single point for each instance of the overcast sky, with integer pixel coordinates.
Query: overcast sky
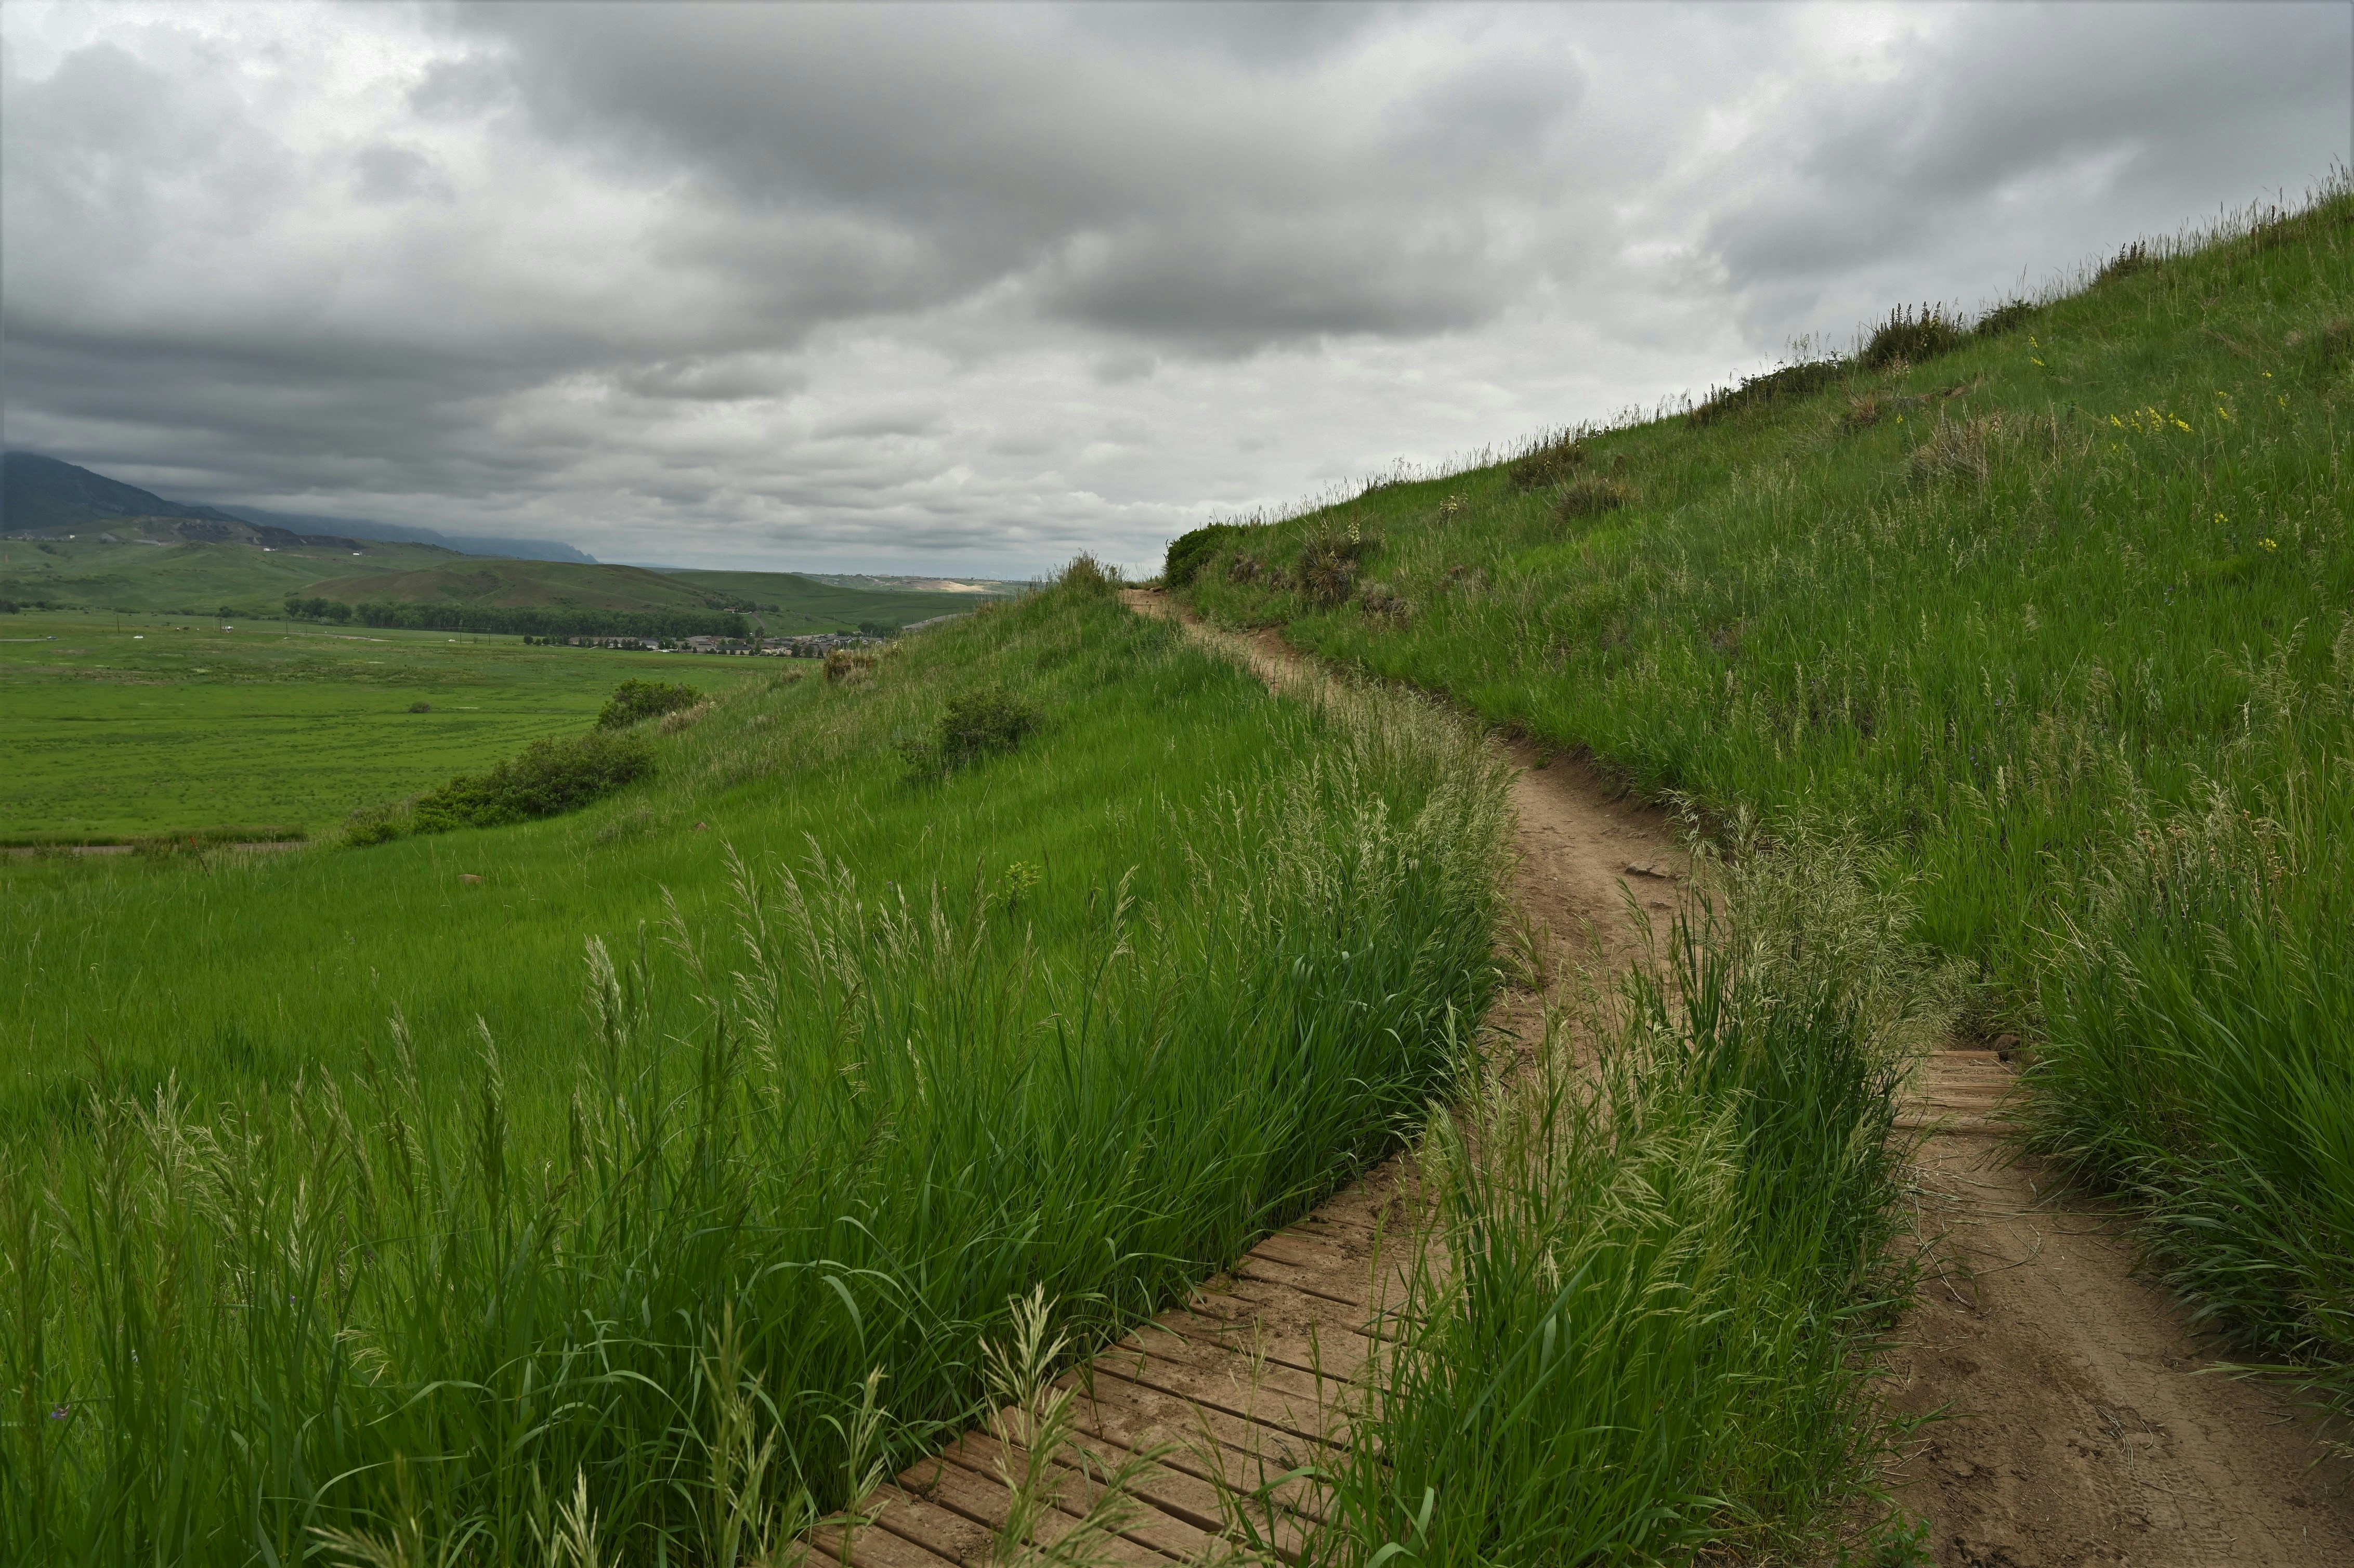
(966, 289)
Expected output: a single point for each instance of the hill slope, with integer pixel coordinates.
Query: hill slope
(498, 547)
(43, 493)
(2050, 616)
(126, 569)
(39, 492)
(786, 603)
(195, 567)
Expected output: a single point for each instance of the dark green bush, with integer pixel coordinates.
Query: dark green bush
(2008, 316)
(550, 778)
(2134, 257)
(1911, 337)
(1189, 553)
(971, 727)
(634, 702)
(1547, 465)
(1786, 385)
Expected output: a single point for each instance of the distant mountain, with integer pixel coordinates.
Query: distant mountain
(39, 492)
(42, 493)
(403, 534)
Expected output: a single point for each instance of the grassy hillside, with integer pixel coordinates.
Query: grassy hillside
(811, 598)
(203, 577)
(192, 578)
(691, 1155)
(2054, 613)
(510, 585)
(122, 727)
(788, 603)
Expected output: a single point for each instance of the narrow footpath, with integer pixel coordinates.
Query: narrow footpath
(1248, 1382)
(2074, 1425)
(2083, 1426)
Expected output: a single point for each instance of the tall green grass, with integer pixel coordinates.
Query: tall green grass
(790, 1152)
(1640, 1329)
(2071, 586)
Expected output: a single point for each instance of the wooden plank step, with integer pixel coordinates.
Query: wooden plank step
(970, 1498)
(1989, 1125)
(1334, 1354)
(1229, 1361)
(1176, 1531)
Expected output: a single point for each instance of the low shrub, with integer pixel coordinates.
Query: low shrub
(1385, 603)
(634, 702)
(1956, 448)
(678, 719)
(1788, 384)
(845, 668)
(1086, 574)
(2137, 257)
(1908, 338)
(550, 778)
(2322, 351)
(2008, 316)
(1189, 553)
(420, 707)
(1548, 465)
(973, 725)
(1591, 497)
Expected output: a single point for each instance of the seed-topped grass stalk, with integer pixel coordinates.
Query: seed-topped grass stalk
(1638, 1325)
(682, 1290)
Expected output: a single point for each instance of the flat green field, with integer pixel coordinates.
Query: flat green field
(121, 727)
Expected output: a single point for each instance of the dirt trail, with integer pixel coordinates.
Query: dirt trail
(2081, 1429)
(1580, 853)
(2078, 1434)
(2083, 1432)
(1246, 1379)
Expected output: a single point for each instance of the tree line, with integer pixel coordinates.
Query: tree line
(567, 620)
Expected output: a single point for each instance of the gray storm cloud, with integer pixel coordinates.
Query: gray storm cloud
(972, 286)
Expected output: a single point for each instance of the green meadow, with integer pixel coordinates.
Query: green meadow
(690, 1148)
(122, 727)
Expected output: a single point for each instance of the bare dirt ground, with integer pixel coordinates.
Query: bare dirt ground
(2076, 1431)
(2083, 1429)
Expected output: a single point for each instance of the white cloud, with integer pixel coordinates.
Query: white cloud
(973, 288)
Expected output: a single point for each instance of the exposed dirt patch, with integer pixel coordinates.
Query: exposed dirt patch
(2083, 1430)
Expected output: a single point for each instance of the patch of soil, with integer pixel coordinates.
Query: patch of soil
(2081, 1429)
